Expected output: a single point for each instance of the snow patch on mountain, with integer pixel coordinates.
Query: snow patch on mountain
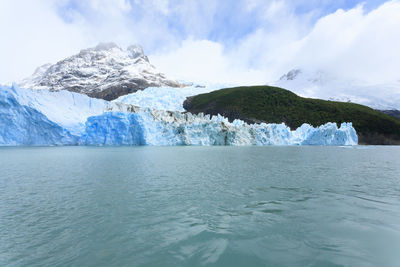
(323, 85)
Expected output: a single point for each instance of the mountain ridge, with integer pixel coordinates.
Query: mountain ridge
(105, 71)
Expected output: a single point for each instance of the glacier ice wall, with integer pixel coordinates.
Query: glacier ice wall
(164, 128)
(23, 125)
(29, 117)
(65, 108)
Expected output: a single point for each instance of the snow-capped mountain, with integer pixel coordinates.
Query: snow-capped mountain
(105, 71)
(320, 84)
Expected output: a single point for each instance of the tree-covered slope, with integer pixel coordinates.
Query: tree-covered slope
(275, 105)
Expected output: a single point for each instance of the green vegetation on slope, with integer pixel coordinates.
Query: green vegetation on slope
(276, 105)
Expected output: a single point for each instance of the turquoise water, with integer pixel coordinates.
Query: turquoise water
(200, 206)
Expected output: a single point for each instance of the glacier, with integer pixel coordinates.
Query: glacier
(24, 125)
(42, 117)
(65, 108)
(165, 128)
(168, 98)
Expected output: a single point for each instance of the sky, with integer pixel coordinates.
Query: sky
(236, 41)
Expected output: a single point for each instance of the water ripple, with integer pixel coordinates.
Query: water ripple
(271, 206)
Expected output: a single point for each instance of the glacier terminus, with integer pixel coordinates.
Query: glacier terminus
(44, 117)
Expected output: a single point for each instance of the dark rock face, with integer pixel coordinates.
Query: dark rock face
(113, 92)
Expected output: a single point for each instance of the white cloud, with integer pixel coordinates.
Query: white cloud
(38, 32)
(350, 43)
(114, 8)
(159, 5)
(203, 60)
(355, 44)
(32, 35)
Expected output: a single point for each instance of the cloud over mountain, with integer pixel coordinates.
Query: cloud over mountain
(241, 42)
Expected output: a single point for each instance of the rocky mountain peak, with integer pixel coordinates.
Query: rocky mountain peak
(105, 71)
(136, 51)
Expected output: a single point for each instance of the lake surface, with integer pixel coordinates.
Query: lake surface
(200, 206)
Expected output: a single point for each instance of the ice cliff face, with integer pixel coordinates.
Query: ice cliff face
(320, 84)
(29, 117)
(23, 125)
(65, 108)
(163, 128)
(105, 71)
